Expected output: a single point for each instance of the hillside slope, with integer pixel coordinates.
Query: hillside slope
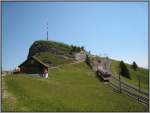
(51, 52)
(69, 88)
(54, 53)
(140, 72)
(48, 46)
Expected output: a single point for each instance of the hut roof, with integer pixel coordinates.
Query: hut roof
(36, 59)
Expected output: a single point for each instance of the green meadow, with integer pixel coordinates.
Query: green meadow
(70, 87)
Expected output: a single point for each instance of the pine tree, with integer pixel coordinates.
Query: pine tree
(134, 66)
(124, 70)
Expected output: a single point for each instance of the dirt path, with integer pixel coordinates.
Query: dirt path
(66, 64)
(7, 98)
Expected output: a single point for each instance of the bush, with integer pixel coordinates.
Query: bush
(134, 66)
(124, 70)
(76, 49)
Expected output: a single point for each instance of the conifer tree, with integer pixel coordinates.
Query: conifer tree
(124, 70)
(134, 66)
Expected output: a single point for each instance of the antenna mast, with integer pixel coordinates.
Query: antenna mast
(47, 30)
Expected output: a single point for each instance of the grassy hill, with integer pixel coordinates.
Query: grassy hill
(53, 53)
(69, 88)
(143, 73)
(48, 46)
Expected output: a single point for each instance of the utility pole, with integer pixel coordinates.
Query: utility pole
(47, 30)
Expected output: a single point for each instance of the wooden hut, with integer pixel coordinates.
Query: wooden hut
(33, 65)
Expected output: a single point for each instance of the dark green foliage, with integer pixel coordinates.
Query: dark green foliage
(75, 49)
(134, 66)
(82, 48)
(87, 60)
(124, 70)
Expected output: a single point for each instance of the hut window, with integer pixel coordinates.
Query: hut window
(32, 61)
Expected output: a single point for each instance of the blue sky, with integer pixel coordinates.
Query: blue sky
(119, 30)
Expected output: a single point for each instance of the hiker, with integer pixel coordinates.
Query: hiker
(45, 73)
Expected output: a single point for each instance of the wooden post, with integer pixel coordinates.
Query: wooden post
(1, 70)
(139, 88)
(119, 82)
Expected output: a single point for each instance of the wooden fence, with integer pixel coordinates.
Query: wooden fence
(132, 91)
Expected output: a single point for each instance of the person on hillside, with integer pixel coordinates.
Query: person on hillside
(45, 73)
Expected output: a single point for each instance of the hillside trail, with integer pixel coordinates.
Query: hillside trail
(76, 62)
(5, 95)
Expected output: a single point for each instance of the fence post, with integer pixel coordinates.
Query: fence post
(139, 88)
(120, 82)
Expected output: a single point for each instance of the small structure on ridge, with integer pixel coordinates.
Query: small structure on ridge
(33, 65)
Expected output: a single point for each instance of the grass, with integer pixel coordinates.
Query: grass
(68, 88)
(143, 73)
(53, 58)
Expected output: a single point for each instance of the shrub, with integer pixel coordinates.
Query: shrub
(87, 60)
(76, 49)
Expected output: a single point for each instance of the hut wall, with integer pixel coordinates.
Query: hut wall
(31, 66)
